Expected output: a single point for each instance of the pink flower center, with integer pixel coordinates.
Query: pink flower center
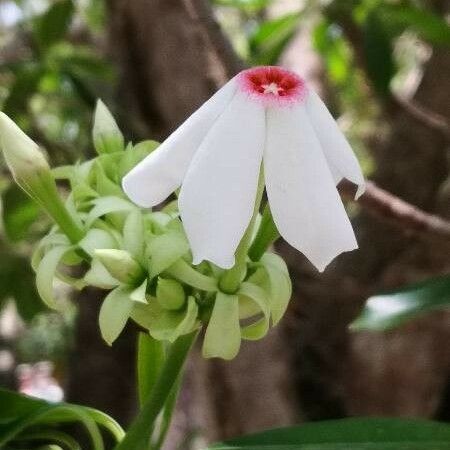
(272, 85)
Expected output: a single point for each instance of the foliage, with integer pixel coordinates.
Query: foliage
(392, 309)
(27, 423)
(357, 434)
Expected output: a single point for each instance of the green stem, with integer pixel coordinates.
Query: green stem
(267, 234)
(138, 435)
(59, 213)
(232, 278)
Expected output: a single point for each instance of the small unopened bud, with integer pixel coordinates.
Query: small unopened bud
(23, 157)
(170, 294)
(32, 173)
(106, 134)
(121, 265)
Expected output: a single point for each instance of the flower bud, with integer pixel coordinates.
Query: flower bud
(121, 265)
(26, 163)
(170, 294)
(32, 173)
(106, 134)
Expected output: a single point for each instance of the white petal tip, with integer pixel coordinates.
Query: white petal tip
(135, 192)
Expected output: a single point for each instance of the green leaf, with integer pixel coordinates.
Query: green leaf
(223, 335)
(269, 40)
(25, 84)
(52, 26)
(427, 25)
(354, 434)
(378, 51)
(19, 213)
(392, 309)
(150, 360)
(114, 313)
(252, 5)
(27, 418)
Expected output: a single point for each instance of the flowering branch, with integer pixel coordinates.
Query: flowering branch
(393, 209)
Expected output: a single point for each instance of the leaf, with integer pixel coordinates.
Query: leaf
(345, 434)
(114, 313)
(19, 213)
(27, 418)
(17, 282)
(223, 335)
(150, 360)
(390, 310)
(268, 42)
(427, 25)
(253, 5)
(378, 50)
(26, 80)
(52, 26)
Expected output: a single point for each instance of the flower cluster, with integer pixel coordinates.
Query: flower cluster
(142, 257)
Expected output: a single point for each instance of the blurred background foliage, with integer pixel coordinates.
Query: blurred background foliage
(55, 62)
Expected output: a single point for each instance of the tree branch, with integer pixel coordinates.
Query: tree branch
(393, 209)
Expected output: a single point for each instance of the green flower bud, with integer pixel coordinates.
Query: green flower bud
(33, 174)
(170, 294)
(106, 134)
(121, 265)
(26, 163)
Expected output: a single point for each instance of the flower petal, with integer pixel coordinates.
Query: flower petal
(218, 194)
(161, 173)
(337, 150)
(305, 204)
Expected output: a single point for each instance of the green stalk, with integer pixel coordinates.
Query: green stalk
(138, 435)
(267, 234)
(232, 278)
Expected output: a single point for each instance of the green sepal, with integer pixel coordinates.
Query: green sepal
(107, 205)
(114, 313)
(170, 294)
(163, 324)
(223, 335)
(96, 239)
(133, 234)
(165, 250)
(99, 277)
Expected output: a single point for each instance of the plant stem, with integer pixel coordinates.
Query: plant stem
(138, 435)
(267, 234)
(232, 278)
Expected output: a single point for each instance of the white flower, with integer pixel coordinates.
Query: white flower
(264, 114)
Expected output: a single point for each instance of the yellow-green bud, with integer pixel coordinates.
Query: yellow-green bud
(23, 157)
(106, 134)
(170, 294)
(121, 265)
(32, 173)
